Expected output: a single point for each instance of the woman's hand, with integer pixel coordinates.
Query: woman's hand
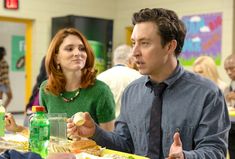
(85, 130)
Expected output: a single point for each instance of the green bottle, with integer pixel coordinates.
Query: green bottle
(39, 127)
(2, 119)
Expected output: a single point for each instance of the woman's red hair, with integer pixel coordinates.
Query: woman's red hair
(56, 79)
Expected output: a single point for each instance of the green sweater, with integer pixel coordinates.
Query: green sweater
(97, 100)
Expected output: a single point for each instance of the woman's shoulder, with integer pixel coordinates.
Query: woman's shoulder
(99, 87)
(43, 84)
(100, 84)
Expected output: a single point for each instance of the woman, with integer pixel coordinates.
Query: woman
(72, 85)
(206, 67)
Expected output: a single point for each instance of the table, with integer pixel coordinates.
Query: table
(232, 116)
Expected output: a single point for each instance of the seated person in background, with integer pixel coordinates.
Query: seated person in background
(229, 66)
(72, 85)
(11, 124)
(229, 93)
(205, 66)
(34, 99)
(120, 75)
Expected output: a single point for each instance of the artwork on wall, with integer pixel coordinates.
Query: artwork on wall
(204, 34)
(18, 53)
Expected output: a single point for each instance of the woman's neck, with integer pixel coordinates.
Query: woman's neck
(73, 81)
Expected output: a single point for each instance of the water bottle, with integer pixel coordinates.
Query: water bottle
(39, 127)
(2, 119)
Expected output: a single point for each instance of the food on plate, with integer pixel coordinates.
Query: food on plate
(78, 118)
(87, 146)
(115, 156)
(59, 148)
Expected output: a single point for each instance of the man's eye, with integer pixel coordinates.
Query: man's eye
(133, 44)
(145, 43)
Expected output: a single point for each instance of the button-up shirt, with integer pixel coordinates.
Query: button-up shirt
(192, 105)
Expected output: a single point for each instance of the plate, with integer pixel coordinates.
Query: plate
(108, 151)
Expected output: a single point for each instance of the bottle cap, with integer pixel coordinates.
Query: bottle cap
(38, 109)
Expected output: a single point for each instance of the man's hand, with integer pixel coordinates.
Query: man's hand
(176, 150)
(85, 130)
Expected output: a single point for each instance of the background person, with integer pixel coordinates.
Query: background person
(120, 75)
(72, 85)
(205, 66)
(4, 78)
(229, 66)
(194, 122)
(34, 98)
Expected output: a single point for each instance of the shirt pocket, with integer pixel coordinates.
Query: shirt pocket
(186, 136)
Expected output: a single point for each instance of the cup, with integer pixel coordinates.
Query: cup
(58, 127)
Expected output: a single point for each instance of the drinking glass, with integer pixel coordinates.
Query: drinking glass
(58, 127)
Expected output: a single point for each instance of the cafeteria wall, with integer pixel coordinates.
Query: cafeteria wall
(41, 12)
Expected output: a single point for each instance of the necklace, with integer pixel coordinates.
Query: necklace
(69, 99)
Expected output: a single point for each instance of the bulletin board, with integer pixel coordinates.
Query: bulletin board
(204, 34)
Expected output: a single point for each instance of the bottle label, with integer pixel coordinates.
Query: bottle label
(40, 133)
(2, 124)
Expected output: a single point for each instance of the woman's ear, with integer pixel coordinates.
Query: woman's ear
(56, 58)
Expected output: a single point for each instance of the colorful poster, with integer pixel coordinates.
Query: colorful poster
(18, 53)
(204, 34)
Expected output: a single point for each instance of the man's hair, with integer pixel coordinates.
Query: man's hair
(122, 54)
(2, 52)
(170, 27)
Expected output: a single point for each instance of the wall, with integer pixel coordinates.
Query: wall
(125, 9)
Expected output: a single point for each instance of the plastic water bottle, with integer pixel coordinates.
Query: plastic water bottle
(39, 127)
(2, 119)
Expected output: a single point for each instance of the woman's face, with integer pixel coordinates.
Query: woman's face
(72, 54)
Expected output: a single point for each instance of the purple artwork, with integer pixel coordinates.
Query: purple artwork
(204, 33)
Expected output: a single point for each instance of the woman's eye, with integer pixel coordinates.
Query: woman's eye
(69, 49)
(81, 49)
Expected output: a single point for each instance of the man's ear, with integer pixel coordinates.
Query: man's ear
(171, 46)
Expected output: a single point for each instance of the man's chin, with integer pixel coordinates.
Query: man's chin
(142, 72)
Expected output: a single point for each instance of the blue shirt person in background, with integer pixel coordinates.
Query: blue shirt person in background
(194, 122)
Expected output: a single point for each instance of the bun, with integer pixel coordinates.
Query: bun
(83, 144)
(78, 118)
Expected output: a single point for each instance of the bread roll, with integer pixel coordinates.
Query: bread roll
(78, 118)
(83, 144)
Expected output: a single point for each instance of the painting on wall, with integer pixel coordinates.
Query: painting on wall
(204, 34)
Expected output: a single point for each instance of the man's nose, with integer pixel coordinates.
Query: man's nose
(135, 50)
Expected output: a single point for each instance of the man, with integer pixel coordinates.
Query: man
(4, 78)
(229, 93)
(120, 75)
(194, 119)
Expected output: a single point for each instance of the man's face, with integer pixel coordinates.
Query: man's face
(229, 66)
(150, 56)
